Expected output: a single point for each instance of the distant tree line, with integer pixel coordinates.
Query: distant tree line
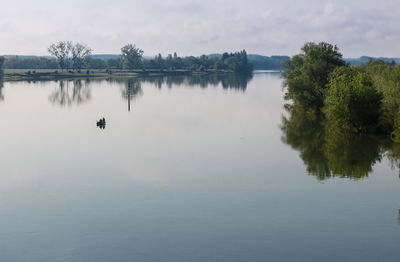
(69, 56)
(348, 99)
(1, 66)
(267, 63)
(16, 62)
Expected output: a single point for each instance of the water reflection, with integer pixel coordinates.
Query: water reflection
(76, 92)
(327, 152)
(132, 90)
(1, 89)
(398, 217)
(227, 81)
(71, 92)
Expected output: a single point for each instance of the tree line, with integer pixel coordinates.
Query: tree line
(348, 99)
(76, 56)
(1, 66)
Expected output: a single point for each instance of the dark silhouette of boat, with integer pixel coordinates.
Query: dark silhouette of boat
(101, 123)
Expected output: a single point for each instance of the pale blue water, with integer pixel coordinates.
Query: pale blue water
(193, 172)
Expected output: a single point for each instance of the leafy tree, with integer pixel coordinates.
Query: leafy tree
(69, 54)
(131, 57)
(352, 102)
(80, 56)
(306, 74)
(237, 62)
(61, 51)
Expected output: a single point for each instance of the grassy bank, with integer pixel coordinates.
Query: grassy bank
(44, 74)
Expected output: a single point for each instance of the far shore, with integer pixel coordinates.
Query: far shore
(51, 74)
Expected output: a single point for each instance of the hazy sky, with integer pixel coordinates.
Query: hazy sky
(358, 27)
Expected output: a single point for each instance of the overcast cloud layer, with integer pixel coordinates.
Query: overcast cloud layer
(358, 27)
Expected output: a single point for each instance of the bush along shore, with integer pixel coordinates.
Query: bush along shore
(349, 100)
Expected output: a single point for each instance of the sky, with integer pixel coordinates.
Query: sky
(280, 27)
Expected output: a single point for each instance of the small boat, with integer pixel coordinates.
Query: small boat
(101, 123)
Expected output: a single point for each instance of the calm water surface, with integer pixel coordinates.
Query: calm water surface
(187, 169)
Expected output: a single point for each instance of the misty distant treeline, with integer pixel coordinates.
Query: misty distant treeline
(1, 65)
(367, 59)
(233, 61)
(66, 55)
(258, 62)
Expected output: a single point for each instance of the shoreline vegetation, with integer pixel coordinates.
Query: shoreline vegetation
(74, 60)
(345, 100)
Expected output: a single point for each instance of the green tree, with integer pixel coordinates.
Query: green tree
(352, 102)
(131, 57)
(306, 74)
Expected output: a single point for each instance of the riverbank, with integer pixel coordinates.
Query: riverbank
(44, 74)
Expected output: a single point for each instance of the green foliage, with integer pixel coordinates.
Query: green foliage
(237, 62)
(78, 56)
(267, 63)
(131, 57)
(386, 78)
(352, 102)
(17, 62)
(306, 74)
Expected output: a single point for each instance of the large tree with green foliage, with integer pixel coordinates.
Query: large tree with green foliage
(131, 57)
(352, 102)
(306, 74)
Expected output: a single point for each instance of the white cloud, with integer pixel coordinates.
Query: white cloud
(196, 27)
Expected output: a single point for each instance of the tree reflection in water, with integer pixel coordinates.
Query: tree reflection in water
(71, 92)
(132, 90)
(76, 92)
(133, 87)
(1, 89)
(227, 81)
(327, 152)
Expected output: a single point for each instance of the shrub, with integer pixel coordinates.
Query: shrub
(352, 102)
